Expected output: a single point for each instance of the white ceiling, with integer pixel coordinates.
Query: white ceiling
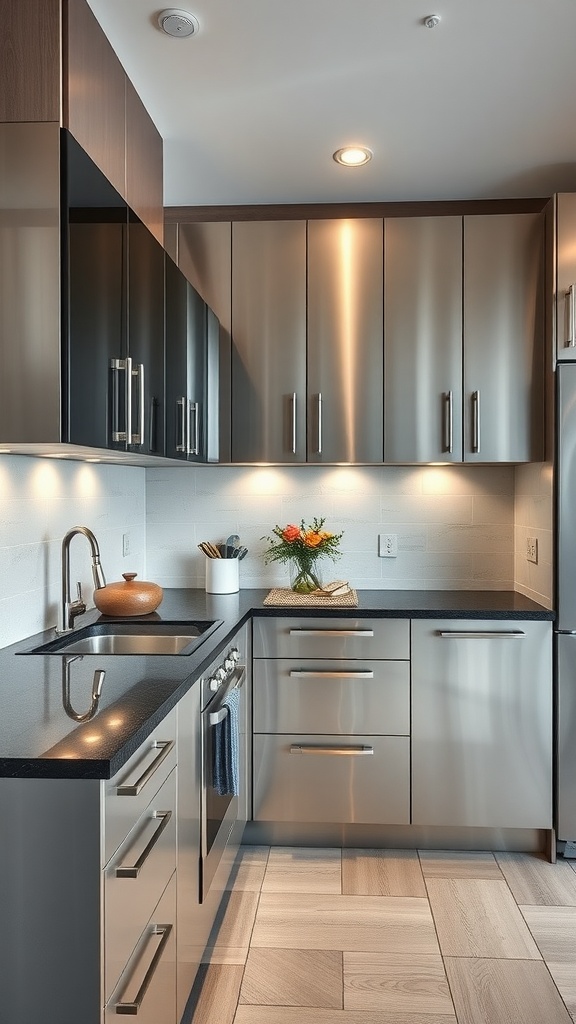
(252, 108)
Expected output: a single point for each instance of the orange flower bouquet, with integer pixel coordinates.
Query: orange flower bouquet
(302, 546)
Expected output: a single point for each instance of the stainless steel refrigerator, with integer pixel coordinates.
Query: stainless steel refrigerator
(566, 600)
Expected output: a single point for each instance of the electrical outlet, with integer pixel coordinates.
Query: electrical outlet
(532, 550)
(387, 545)
(125, 544)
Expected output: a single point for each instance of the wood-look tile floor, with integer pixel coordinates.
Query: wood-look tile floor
(392, 937)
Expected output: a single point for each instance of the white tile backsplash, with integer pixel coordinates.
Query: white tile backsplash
(534, 517)
(40, 499)
(455, 525)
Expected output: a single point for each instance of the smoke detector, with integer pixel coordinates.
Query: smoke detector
(178, 23)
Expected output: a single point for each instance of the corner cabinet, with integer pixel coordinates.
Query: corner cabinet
(482, 723)
(464, 338)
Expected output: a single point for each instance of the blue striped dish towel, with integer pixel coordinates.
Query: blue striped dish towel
(225, 749)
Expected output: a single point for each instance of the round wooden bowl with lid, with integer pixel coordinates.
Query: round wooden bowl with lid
(131, 597)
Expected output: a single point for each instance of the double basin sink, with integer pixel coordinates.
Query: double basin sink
(163, 638)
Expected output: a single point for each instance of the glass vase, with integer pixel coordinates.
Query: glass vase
(304, 578)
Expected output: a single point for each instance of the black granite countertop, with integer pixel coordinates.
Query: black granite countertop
(39, 739)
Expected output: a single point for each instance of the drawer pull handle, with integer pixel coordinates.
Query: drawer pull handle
(327, 674)
(132, 1008)
(135, 788)
(133, 870)
(302, 748)
(331, 632)
(481, 634)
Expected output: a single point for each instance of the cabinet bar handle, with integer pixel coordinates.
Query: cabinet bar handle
(125, 365)
(194, 425)
(134, 788)
(139, 437)
(133, 870)
(481, 634)
(319, 449)
(571, 340)
(293, 426)
(331, 632)
(476, 421)
(181, 404)
(327, 674)
(448, 423)
(132, 1008)
(304, 748)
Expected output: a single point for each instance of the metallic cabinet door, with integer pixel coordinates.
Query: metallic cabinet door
(30, 397)
(566, 276)
(146, 329)
(345, 779)
(204, 254)
(147, 988)
(504, 338)
(345, 340)
(482, 723)
(329, 696)
(566, 549)
(566, 651)
(269, 341)
(423, 339)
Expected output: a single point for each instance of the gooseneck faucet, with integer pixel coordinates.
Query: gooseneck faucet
(70, 609)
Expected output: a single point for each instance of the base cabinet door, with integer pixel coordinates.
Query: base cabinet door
(482, 723)
(345, 779)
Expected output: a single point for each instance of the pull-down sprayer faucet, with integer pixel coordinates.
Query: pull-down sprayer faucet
(70, 609)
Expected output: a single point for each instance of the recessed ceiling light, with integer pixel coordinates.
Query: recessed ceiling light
(432, 20)
(352, 156)
(178, 23)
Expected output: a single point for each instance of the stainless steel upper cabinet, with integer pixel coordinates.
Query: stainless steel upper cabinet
(504, 338)
(269, 341)
(345, 340)
(423, 339)
(566, 276)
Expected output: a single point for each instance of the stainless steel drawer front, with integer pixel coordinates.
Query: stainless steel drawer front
(332, 696)
(337, 782)
(336, 637)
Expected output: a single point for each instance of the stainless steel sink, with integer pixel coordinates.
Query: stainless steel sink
(162, 638)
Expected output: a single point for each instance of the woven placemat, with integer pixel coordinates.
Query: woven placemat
(285, 597)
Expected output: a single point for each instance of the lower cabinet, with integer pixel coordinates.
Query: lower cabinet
(482, 723)
(332, 721)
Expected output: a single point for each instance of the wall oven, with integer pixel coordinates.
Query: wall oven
(224, 760)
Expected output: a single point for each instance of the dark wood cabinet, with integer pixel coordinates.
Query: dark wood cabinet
(30, 60)
(144, 164)
(113, 284)
(94, 84)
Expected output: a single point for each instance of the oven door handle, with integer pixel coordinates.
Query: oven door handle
(215, 710)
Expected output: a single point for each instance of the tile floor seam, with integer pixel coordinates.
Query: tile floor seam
(438, 940)
(544, 960)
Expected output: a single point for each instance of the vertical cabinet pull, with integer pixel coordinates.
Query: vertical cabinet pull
(122, 366)
(448, 423)
(476, 421)
(319, 444)
(571, 339)
(182, 414)
(293, 423)
(194, 439)
(139, 437)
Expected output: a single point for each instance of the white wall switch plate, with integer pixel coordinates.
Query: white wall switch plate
(387, 545)
(532, 550)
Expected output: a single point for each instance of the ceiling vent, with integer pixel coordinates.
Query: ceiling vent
(178, 23)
